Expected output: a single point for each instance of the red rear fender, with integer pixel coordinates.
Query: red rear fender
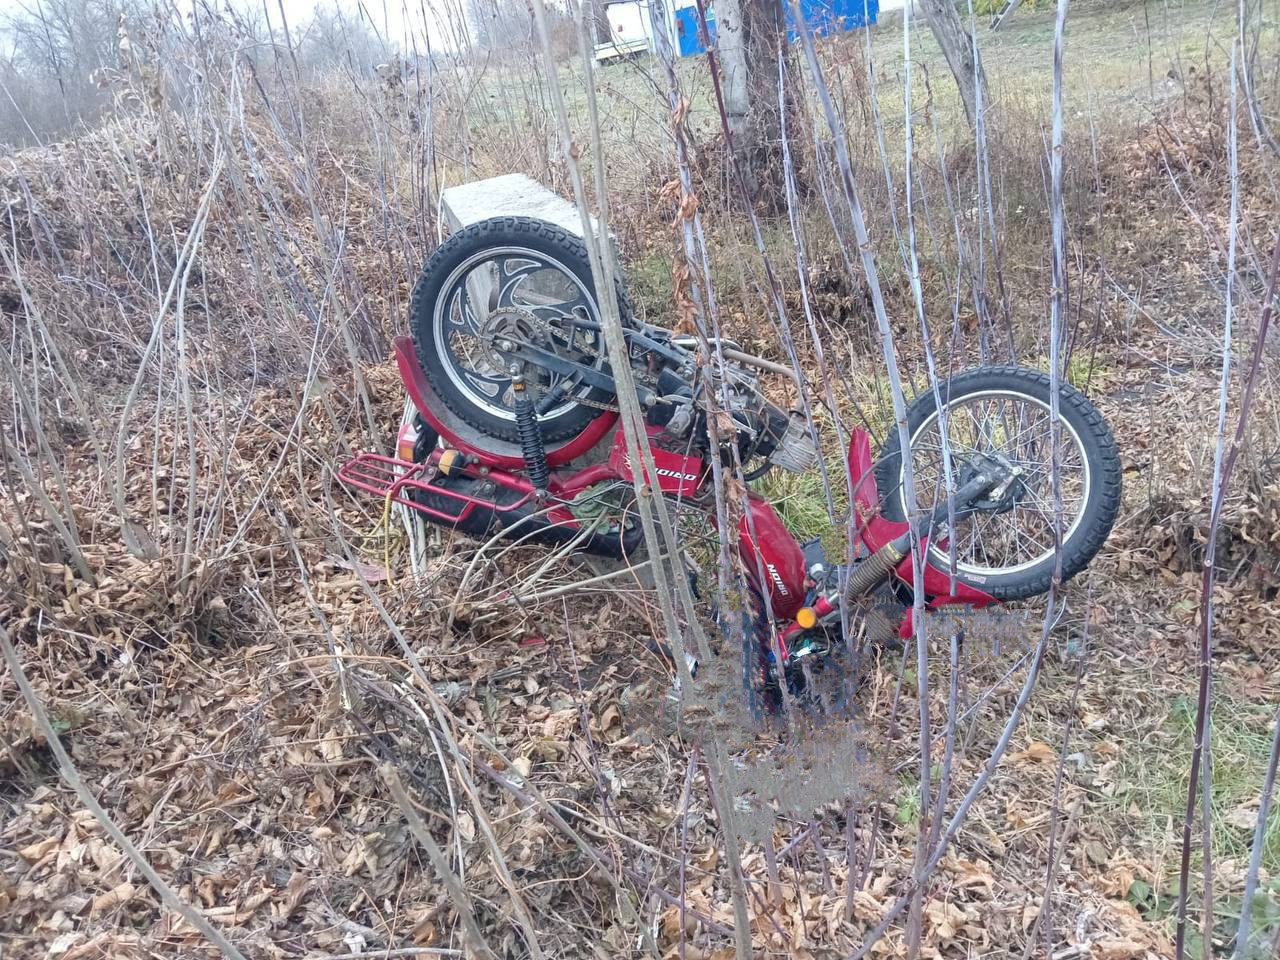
(460, 435)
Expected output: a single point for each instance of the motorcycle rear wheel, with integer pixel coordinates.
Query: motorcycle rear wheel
(526, 272)
(1004, 412)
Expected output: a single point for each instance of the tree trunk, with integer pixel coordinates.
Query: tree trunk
(957, 46)
(601, 20)
(747, 36)
(735, 63)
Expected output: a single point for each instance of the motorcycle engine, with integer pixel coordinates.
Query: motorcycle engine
(795, 450)
(764, 431)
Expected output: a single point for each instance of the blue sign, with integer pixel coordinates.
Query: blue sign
(828, 16)
(823, 16)
(688, 35)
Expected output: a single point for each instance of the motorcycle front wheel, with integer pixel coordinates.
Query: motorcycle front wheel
(1008, 548)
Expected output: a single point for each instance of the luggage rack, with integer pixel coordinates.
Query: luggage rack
(395, 479)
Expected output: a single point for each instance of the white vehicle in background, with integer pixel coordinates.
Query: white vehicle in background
(630, 30)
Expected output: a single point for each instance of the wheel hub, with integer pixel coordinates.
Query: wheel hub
(1006, 490)
(501, 331)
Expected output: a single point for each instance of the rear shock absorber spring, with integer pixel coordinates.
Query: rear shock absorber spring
(535, 454)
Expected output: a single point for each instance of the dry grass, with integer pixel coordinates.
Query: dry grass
(194, 598)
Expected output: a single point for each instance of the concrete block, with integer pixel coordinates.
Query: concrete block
(512, 194)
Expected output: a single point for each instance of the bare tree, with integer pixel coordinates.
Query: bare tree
(597, 12)
(500, 27)
(748, 36)
(335, 39)
(53, 50)
(959, 49)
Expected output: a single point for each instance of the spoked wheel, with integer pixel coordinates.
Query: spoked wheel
(501, 283)
(1000, 417)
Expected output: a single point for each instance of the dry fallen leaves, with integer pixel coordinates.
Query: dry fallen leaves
(1036, 752)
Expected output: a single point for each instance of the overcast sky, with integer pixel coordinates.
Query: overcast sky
(394, 20)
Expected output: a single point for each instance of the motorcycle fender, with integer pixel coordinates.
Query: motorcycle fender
(487, 450)
(862, 468)
(875, 531)
(769, 551)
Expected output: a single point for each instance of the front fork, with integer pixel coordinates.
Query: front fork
(889, 559)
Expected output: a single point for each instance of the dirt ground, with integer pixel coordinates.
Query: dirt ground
(241, 756)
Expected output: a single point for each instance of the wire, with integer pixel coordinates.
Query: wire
(385, 523)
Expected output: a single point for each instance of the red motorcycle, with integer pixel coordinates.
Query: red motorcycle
(516, 437)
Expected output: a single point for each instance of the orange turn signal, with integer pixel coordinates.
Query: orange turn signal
(806, 617)
(406, 441)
